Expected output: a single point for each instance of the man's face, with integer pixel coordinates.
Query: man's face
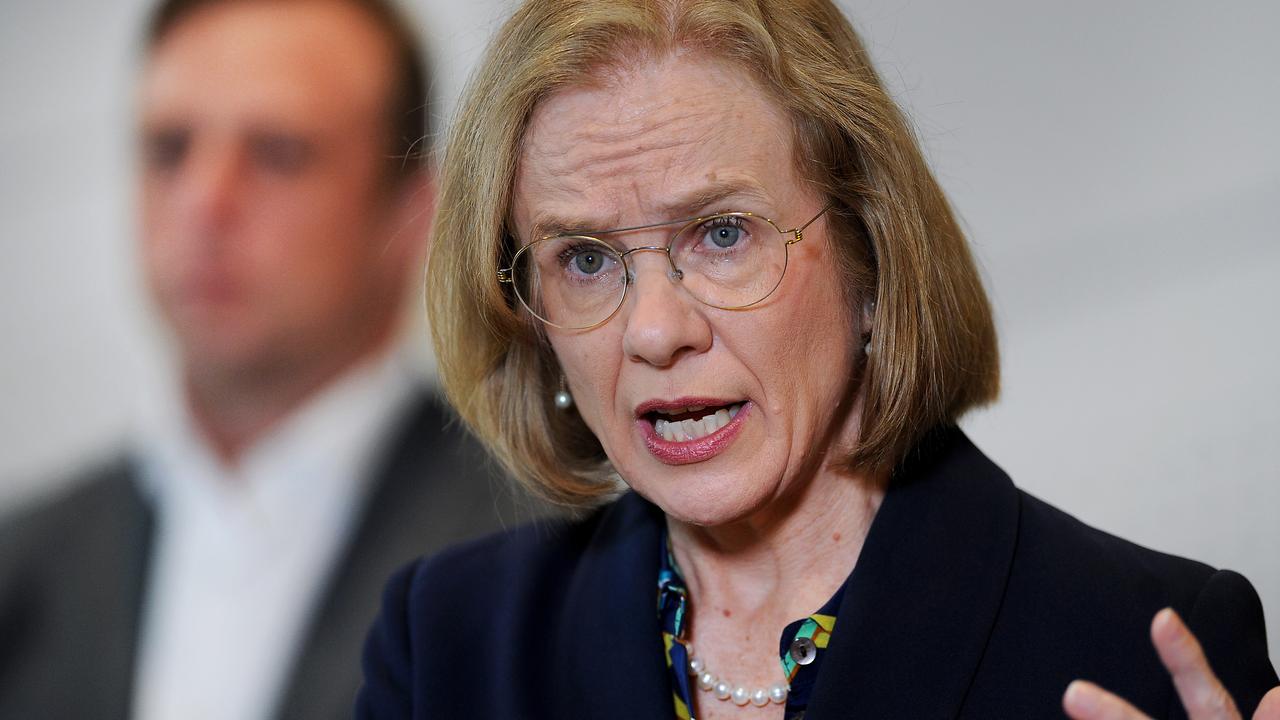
(269, 235)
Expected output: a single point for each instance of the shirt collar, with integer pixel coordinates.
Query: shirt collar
(321, 448)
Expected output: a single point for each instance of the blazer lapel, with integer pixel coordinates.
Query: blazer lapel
(611, 620)
(926, 590)
(323, 683)
(115, 582)
(417, 505)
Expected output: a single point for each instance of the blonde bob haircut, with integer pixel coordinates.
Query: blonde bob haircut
(934, 350)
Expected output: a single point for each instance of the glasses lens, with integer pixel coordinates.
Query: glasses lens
(570, 282)
(730, 261)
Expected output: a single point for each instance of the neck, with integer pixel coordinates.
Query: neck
(786, 560)
(235, 409)
(785, 563)
(748, 579)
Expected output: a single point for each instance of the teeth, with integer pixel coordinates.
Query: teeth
(671, 431)
(686, 430)
(693, 428)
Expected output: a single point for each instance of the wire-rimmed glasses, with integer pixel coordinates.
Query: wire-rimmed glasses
(730, 260)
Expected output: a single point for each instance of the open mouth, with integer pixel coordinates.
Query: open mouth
(694, 422)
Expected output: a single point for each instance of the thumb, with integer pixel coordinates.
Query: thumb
(1269, 708)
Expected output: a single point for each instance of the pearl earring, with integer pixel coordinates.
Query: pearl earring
(867, 348)
(563, 399)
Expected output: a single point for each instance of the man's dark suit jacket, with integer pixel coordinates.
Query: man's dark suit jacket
(970, 599)
(72, 577)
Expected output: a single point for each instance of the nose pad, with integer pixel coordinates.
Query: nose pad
(662, 322)
(673, 273)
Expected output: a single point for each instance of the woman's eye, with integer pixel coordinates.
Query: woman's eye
(588, 262)
(725, 236)
(724, 232)
(576, 260)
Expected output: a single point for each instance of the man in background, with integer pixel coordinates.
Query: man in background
(230, 565)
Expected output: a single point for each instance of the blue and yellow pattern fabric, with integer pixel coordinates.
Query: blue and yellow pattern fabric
(673, 602)
(673, 609)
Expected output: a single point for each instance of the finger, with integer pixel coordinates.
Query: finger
(1085, 701)
(1202, 695)
(1269, 708)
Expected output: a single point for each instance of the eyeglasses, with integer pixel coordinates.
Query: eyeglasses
(729, 261)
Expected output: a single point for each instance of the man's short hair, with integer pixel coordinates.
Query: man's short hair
(409, 109)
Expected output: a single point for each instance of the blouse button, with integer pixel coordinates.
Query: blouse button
(803, 651)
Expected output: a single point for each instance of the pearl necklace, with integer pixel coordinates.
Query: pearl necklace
(739, 694)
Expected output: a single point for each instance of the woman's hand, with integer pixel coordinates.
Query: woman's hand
(1202, 695)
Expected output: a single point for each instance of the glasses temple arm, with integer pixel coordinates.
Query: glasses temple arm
(798, 233)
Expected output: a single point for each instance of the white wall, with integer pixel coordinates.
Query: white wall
(1115, 163)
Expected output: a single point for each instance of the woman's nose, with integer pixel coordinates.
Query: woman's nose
(662, 321)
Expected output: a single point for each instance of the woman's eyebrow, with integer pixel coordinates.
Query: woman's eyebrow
(682, 207)
(551, 226)
(715, 193)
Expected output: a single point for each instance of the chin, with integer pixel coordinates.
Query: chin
(710, 500)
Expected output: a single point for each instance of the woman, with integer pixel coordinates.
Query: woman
(691, 249)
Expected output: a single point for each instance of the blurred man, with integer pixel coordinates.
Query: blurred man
(230, 566)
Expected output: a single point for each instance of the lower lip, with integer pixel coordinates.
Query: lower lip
(692, 451)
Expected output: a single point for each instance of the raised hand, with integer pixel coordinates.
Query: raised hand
(1202, 695)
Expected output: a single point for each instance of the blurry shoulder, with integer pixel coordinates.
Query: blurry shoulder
(82, 530)
(107, 488)
(429, 430)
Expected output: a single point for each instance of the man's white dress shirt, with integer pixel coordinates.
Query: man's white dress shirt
(241, 554)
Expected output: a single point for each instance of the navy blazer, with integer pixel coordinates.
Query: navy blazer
(970, 599)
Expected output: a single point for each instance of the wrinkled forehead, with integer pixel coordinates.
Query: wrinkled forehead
(660, 140)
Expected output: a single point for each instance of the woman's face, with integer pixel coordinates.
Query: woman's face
(674, 138)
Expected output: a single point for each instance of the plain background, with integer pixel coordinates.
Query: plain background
(1116, 166)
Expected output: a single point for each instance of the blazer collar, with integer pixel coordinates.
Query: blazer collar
(610, 619)
(80, 606)
(924, 595)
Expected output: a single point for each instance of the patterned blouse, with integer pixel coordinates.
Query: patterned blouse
(799, 647)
